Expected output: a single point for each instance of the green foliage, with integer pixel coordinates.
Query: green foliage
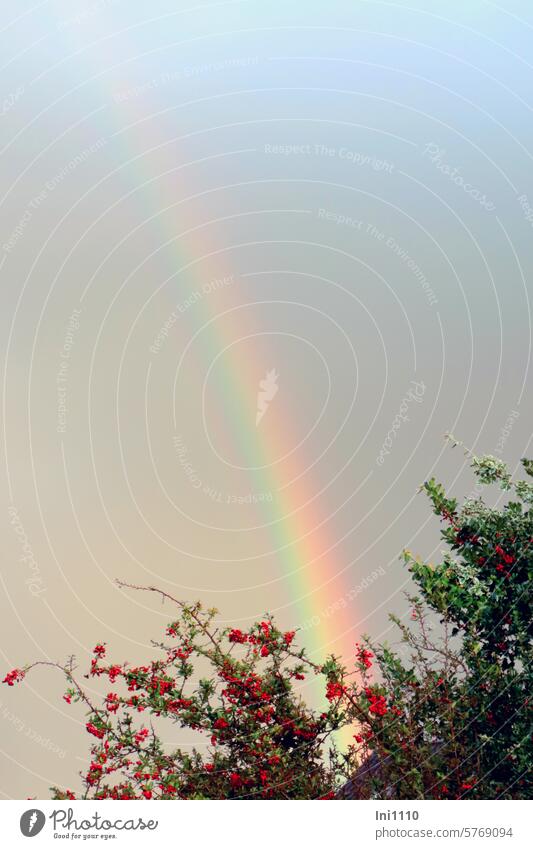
(461, 721)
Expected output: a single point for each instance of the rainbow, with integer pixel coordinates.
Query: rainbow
(316, 581)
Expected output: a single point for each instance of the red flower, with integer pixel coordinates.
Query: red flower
(141, 735)
(334, 691)
(235, 779)
(112, 702)
(114, 672)
(168, 788)
(507, 557)
(237, 636)
(363, 656)
(378, 704)
(183, 653)
(288, 637)
(99, 650)
(14, 677)
(265, 651)
(265, 627)
(220, 723)
(176, 704)
(147, 793)
(164, 686)
(92, 729)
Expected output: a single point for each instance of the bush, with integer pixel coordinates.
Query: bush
(446, 716)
